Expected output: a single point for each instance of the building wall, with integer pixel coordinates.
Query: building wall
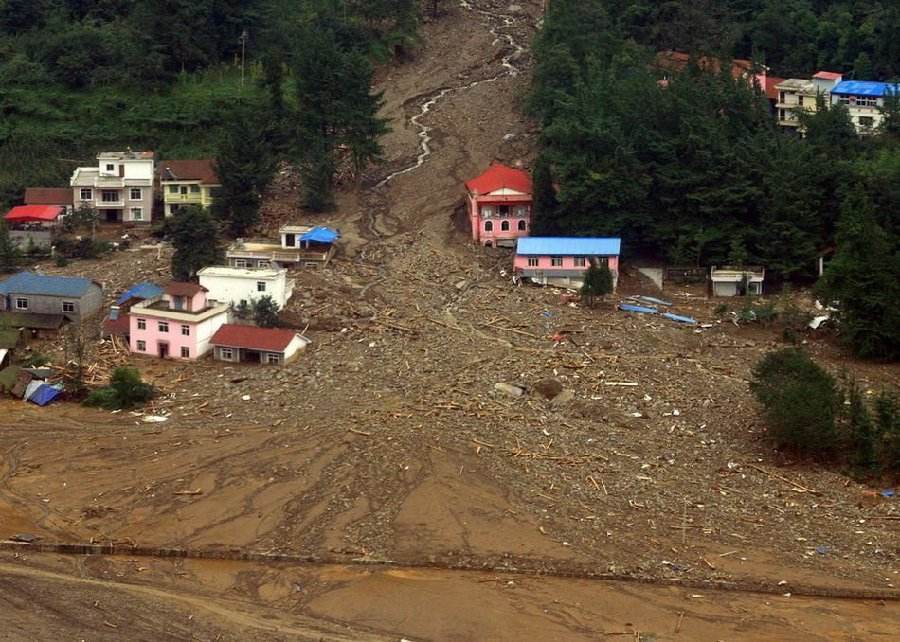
(197, 339)
(235, 288)
(477, 222)
(86, 306)
(568, 263)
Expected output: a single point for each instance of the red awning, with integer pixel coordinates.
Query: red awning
(33, 214)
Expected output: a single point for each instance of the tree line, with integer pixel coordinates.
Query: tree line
(695, 170)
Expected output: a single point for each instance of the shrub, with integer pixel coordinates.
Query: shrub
(800, 401)
(37, 360)
(125, 390)
(265, 312)
(61, 261)
(887, 425)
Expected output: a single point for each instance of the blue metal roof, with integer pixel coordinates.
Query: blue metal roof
(145, 290)
(321, 235)
(865, 88)
(31, 283)
(568, 246)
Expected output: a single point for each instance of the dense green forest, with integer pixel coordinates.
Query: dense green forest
(77, 76)
(696, 170)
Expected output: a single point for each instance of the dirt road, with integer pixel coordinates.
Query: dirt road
(388, 441)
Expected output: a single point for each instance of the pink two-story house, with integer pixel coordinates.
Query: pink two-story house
(563, 261)
(499, 206)
(179, 323)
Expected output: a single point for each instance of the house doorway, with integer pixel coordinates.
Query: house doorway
(112, 216)
(163, 349)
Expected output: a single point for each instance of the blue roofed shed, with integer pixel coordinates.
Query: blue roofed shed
(74, 298)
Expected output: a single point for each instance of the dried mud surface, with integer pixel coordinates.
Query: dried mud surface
(386, 440)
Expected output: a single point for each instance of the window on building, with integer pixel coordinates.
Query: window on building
(142, 324)
(173, 189)
(240, 263)
(109, 196)
(195, 189)
(504, 226)
(185, 352)
(533, 261)
(488, 226)
(781, 97)
(186, 330)
(273, 357)
(135, 194)
(110, 167)
(556, 261)
(68, 306)
(521, 226)
(601, 261)
(800, 100)
(522, 211)
(579, 261)
(163, 326)
(184, 190)
(260, 286)
(137, 213)
(142, 346)
(21, 303)
(866, 122)
(503, 211)
(226, 353)
(487, 211)
(87, 194)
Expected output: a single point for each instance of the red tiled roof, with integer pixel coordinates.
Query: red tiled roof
(499, 176)
(118, 327)
(203, 170)
(48, 196)
(253, 338)
(33, 213)
(678, 61)
(771, 90)
(828, 75)
(177, 288)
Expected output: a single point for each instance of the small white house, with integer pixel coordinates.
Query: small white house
(234, 285)
(737, 281)
(249, 344)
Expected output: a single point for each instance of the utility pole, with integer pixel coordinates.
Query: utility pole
(243, 40)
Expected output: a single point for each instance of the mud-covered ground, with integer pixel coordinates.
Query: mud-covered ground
(387, 441)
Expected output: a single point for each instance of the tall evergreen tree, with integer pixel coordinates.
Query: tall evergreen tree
(245, 165)
(544, 204)
(863, 281)
(336, 107)
(195, 237)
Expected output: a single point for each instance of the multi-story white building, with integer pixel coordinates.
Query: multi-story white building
(120, 187)
(796, 95)
(244, 285)
(864, 99)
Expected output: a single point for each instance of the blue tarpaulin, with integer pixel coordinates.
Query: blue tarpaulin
(145, 290)
(45, 394)
(680, 319)
(627, 307)
(321, 235)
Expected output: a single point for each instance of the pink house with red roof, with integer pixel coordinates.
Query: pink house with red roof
(179, 323)
(499, 205)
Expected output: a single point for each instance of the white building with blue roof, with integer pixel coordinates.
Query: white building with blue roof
(864, 99)
(562, 261)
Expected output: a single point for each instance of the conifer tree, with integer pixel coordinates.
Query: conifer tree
(598, 282)
(245, 166)
(195, 237)
(863, 281)
(544, 205)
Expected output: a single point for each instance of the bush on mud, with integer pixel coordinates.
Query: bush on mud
(125, 390)
(800, 401)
